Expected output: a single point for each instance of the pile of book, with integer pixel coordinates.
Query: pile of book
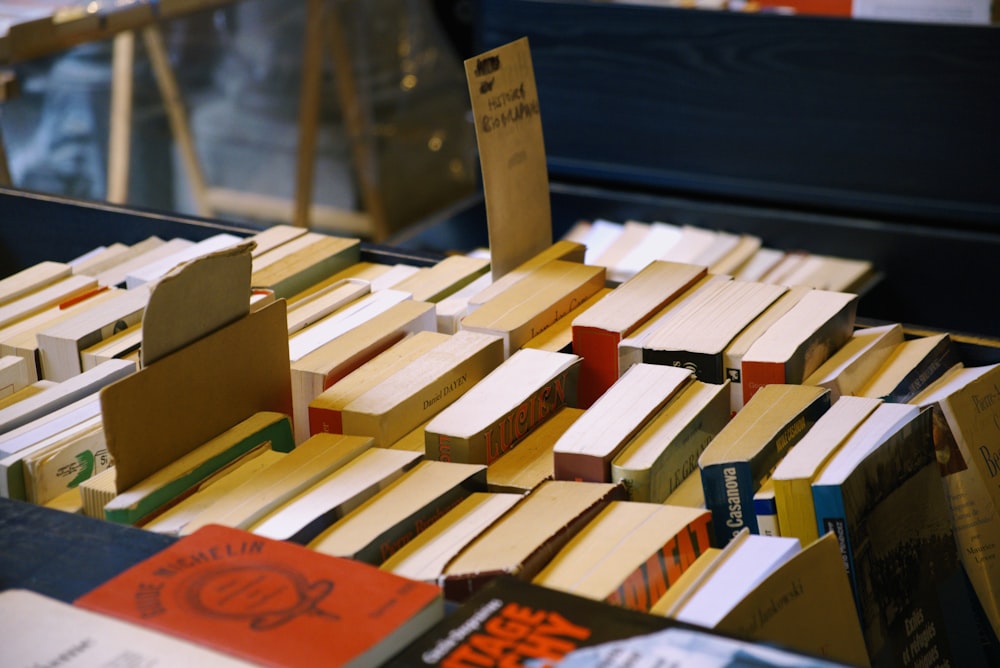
(673, 442)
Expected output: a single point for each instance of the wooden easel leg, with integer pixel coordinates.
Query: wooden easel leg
(312, 79)
(357, 125)
(120, 124)
(166, 81)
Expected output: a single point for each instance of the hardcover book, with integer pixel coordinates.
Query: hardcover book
(744, 453)
(270, 602)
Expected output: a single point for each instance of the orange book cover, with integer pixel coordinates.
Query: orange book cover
(758, 374)
(270, 602)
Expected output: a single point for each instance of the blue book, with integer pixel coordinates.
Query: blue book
(745, 452)
(883, 498)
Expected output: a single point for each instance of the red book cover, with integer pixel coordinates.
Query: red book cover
(271, 602)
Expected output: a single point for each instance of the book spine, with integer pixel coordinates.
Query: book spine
(706, 367)
(832, 517)
(651, 580)
(53, 475)
(796, 512)
(766, 513)
(729, 494)
(938, 361)
(394, 538)
(756, 375)
(580, 467)
(325, 421)
(817, 348)
(599, 368)
(538, 324)
(488, 445)
(636, 482)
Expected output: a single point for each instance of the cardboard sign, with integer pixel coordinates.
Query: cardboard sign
(511, 154)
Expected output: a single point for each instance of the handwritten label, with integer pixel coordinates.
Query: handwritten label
(511, 154)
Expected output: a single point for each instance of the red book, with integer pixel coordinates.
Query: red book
(598, 331)
(271, 602)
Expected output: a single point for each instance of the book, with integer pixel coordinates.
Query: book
(698, 333)
(686, 581)
(912, 365)
(61, 462)
(325, 410)
(689, 646)
(425, 555)
(630, 347)
(125, 344)
(586, 449)
(308, 513)
(805, 605)
(20, 338)
(598, 331)
(523, 468)
(561, 249)
(652, 246)
(632, 234)
(301, 262)
(310, 462)
(31, 279)
(886, 504)
(59, 345)
(317, 305)
(734, 352)
(215, 488)
(62, 394)
(423, 388)
(269, 602)
(630, 553)
(792, 477)
(765, 509)
(848, 370)
(737, 256)
(43, 630)
(496, 413)
(690, 492)
(104, 257)
(14, 374)
(800, 341)
(558, 337)
(264, 429)
(393, 516)
(434, 283)
(347, 349)
(527, 536)
(154, 271)
(45, 298)
(115, 274)
(538, 300)
(665, 452)
(450, 310)
(963, 405)
(745, 561)
(549, 625)
(746, 451)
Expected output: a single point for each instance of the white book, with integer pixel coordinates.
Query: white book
(115, 255)
(156, 270)
(115, 275)
(32, 278)
(42, 631)
(692, 244)
(742, 565)
(51, 295)
(63, 394)
(599, 236)
(396, 274)
(661, 238)
(309, 339)
(304, 517)
(48, 424)
(315, 307)
(59, 345)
